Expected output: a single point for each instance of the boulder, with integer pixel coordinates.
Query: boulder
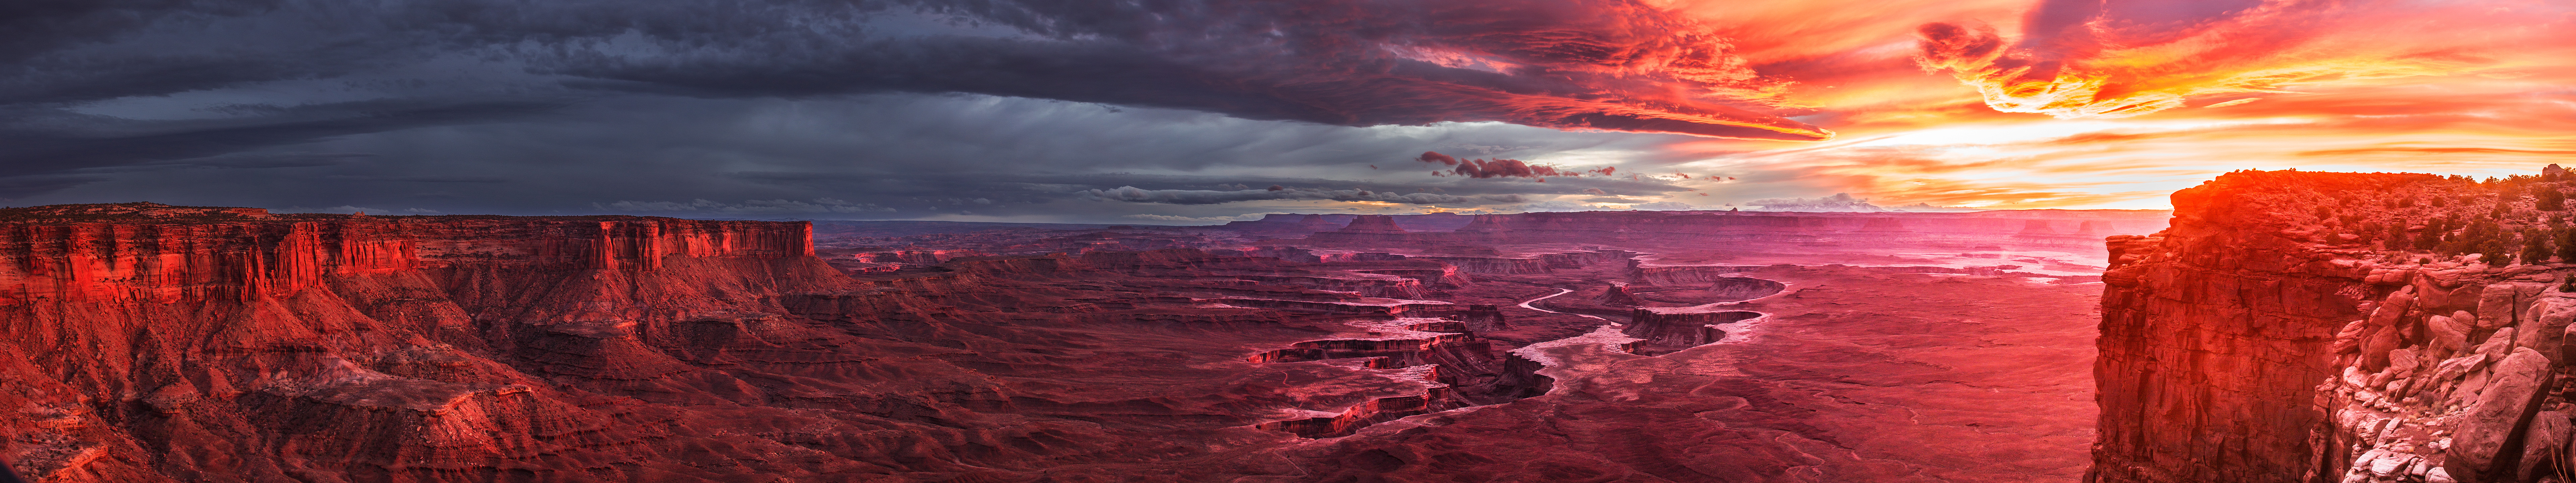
(2349, 339)
(2398, 303)
(2483, 442)
(2457, 367)
(2375, 347)
(2498, 305)
(2498, 344)
(2547, 330)
(2403, 362)
(2448, 336)
(2544, 445)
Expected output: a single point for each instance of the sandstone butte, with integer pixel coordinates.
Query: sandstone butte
(2331, 327)
(153, 343)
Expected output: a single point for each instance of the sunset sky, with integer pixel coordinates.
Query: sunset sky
(1191, 112)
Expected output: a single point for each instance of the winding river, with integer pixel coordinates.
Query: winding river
(1561, 291)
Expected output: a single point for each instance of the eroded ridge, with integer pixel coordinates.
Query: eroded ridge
(276, 347)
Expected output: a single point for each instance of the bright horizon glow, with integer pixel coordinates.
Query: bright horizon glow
(2140, 107)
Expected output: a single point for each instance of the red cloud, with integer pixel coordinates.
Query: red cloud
(2120, 58)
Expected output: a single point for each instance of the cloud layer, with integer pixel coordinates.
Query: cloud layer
(1210, 197)
(2121, 58)
(1058, 110)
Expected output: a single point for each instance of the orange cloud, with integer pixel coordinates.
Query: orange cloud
(2079, 103)
(2120, 58)
(2143, 97)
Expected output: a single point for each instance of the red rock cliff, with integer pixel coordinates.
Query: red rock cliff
(143, 342)
(2338, 327)
(106, 262)
(150, 343)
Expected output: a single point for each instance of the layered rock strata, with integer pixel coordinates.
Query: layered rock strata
(2303, 327)
(1865, 376)
(148, 343)
(1668, 330)
(597, 349)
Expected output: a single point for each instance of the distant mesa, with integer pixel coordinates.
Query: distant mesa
(1484, 228)
(1314, 223)
(2037, 227)
(1487, 224)
(1842, 202)
(1300, 225)
(1366, 228)
(1374, 225)
(144, 210)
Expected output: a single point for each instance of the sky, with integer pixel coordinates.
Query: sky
(1199, 112)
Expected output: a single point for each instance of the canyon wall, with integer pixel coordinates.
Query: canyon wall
(152, 343)
(2339, 327)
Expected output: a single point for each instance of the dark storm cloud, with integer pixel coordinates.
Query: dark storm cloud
(1209, 197)
(1593, 64)
(420, 179)
(43, 183)
(243, 161)
(817, 206)
(75, 141)
(888, 156)
(520, 107)
(1585, 64)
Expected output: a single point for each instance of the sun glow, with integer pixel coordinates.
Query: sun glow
(2137, 100)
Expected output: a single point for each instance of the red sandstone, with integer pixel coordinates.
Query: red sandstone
(153, 343)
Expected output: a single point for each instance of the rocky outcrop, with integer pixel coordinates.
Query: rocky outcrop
(1686, 275)
(365, 345)
(146, 343)
(1365, 284)
(2290, 328)
(1403, 342)
(1433, 353)
(1432, 274)
(1668, 330)
(1292, 254)
(1494, 264)
(1618, 296)
(1434, 397)
(1730, 289)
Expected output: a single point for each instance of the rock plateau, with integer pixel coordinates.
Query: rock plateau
(154, 343)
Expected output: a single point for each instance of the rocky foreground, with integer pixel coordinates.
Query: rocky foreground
(143, 343)
(2308, 327)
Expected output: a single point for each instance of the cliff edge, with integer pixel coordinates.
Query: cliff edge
(153, 343)
(2341, 327)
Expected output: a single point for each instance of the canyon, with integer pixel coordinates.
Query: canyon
(146, 342)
